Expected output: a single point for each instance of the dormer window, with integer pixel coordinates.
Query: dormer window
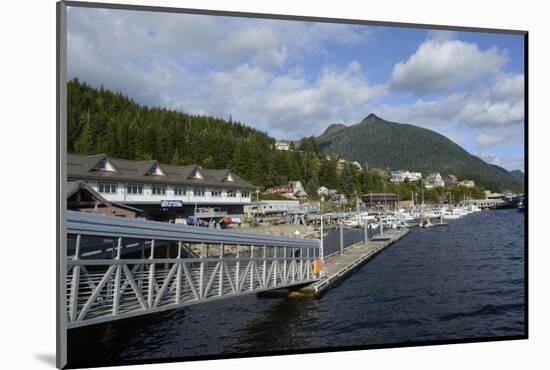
(229, 177)
(104, 165)
(197, 175)
(155, 170)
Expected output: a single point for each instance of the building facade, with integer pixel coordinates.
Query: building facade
(467, 183)
(380, 199)
(282, 145)
(434, 180)
(81, 197)
(450, 180)
(162, 191)
(400, 176)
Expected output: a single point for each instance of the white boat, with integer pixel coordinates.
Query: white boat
(351, 223)
(425, 223)
(451, 216)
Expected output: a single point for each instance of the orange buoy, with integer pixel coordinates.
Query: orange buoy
(317, 267)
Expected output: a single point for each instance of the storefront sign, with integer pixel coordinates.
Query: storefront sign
(171, 203)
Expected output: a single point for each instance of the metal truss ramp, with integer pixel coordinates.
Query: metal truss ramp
(119, 268)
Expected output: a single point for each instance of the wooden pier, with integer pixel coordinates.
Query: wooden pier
(339, 266)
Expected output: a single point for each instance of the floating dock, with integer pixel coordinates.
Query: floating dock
(338, 266)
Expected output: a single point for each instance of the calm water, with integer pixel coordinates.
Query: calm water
(457, 282)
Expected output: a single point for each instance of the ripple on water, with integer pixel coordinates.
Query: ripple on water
(461, 281)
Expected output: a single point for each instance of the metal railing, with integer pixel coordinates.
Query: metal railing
(119, 268)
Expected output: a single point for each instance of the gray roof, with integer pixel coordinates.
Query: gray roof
(82, 167)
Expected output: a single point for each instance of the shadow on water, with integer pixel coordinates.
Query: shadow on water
(284, 326)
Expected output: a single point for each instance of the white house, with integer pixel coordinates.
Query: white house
(322, 191)
(434, 180)
(162, 191)
(282, 145)
(357, 165)
(297, 188)
(400, 176)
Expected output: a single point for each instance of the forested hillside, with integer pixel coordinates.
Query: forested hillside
(102, 121)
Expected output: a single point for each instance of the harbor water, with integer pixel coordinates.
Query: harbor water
(462, 281)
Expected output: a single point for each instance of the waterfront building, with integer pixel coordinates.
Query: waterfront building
(279, 208)
(271, 207)
(380, 199)
(162, 191)
(434, 180)
(81, 197)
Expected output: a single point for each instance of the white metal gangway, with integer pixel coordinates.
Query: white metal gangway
(119, 268)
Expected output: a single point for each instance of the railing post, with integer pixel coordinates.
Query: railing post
(118, 272)
(293, 262)
(201, 273)
(220, 292)
(252, 267)
(151, 287)
(142, 267)
(237, 271)
(264, 272)
(301, 264)
(178, 275)
(284, 265)
(308, 264)
(75, 282)
(276, 267)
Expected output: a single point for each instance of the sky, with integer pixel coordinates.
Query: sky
(293, 79)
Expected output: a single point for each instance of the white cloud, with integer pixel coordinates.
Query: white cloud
(506, 162)
(497, 105)
(288, 105)
(488, 113)
(442, 63)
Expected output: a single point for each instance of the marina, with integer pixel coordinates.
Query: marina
(434, 284)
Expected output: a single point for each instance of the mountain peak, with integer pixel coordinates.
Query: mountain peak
(371, 117)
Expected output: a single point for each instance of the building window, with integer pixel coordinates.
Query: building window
(135, 189)
(245, 194)
(158, 190)
(179, 190)
(107, 188)
(198, 192)
(231, 193)
(216, 193)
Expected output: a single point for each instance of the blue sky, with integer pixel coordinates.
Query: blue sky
(293, 79)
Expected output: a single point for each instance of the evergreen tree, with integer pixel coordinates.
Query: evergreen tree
(85, 143)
